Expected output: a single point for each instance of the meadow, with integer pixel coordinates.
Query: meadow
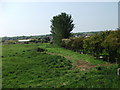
(24, 66)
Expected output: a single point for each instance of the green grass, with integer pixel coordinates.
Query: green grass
(24, 67)
(75, 55)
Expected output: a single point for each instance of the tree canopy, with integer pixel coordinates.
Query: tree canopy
(61, 27)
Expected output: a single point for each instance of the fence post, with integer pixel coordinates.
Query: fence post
(118, 71)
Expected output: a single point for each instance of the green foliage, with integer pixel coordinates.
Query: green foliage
(67, 43)
(74, 43)
(93, 43)
(77, 43)
(87, 46)
(105, 44)
(61, 27)
(112, 41)
(112, 45)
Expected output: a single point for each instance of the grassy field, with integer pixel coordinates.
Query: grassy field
(24, 67)
(73, 56)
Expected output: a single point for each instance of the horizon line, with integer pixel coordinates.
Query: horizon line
(51, 33)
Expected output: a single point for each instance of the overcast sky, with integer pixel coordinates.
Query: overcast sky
(33, 18)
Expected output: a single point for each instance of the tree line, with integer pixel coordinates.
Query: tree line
(105, 44)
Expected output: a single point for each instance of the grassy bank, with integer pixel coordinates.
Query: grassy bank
(24, 67)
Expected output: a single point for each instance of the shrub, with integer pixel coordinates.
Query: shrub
(40, 50)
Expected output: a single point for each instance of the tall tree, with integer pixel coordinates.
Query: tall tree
(61, 27)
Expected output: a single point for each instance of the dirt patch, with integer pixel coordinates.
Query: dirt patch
(107, 64)
(83, 65)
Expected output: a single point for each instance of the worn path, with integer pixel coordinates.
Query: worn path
(81, 64)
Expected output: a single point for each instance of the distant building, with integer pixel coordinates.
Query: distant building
(101, 57)
(76, 36)
(87, 36)
(24, 40)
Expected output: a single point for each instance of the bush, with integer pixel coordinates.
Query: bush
(40, 50)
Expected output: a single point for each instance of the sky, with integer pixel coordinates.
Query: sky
(33, 18)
